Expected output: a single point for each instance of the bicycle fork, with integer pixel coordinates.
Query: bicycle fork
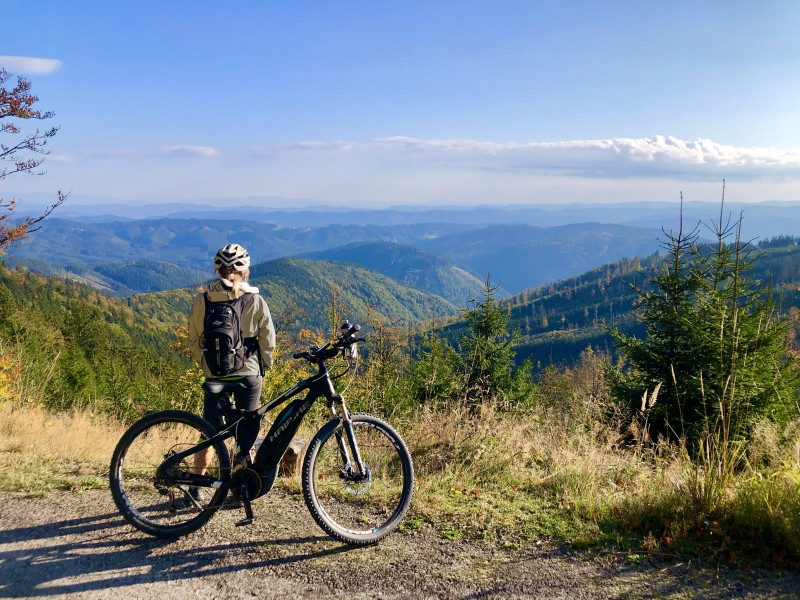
(347, 426)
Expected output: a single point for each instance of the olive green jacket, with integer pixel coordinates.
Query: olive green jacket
(256, 322)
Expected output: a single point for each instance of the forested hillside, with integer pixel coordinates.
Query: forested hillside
(83, 349)
(118, 278)
(410, 266)
(557, 321)
(299, 293)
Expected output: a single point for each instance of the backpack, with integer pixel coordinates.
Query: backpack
(224, 346)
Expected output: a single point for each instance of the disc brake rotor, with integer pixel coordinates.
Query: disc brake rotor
(354, 483)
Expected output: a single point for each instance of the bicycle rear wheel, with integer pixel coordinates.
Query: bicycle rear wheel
(160, 506)
(356, 509)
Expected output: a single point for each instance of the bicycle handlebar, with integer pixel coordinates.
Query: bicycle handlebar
(331, 349)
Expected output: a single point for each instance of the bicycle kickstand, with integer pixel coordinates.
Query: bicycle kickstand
(248, 508)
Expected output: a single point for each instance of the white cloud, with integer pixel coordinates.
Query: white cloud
(309, 148)
(190, 150)
(609, 158)
(29, 65)
(404, 170)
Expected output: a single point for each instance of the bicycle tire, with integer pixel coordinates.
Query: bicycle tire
(358, 512)
(158, 507)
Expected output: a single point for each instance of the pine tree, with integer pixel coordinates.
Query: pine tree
(488, 357)
(715, 343)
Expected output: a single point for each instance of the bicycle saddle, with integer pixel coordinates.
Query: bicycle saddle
(216, 386)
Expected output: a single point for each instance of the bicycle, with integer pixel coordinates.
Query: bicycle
(357, 474)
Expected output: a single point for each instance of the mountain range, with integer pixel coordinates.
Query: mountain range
(448, 259)
(761, 220)
(563, 284)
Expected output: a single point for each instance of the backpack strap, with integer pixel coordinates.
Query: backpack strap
(205, 316)
(251, 343)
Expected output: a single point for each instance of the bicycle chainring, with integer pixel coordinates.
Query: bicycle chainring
(246, 476)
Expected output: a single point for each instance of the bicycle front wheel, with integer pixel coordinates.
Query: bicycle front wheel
(353, 507)
(156, 505)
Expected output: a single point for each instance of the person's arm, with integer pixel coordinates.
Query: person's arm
(196, 326)
(266, 333)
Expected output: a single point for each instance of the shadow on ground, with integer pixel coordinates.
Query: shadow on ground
(110, 554)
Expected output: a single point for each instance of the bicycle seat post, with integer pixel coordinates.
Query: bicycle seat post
(227, 407)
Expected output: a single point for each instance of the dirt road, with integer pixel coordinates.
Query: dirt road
(77, 546)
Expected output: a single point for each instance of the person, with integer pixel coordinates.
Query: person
(232, 264)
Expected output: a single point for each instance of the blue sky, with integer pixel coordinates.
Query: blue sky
(438, 102)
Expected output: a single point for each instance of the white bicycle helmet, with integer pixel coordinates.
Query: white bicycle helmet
(232, 256)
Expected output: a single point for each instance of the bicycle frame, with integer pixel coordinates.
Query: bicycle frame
(279, 436)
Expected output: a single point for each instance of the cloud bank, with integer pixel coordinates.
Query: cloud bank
(406, 170)
(610, 158)
(29, 65)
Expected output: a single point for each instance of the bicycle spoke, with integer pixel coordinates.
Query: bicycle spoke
(159, 505)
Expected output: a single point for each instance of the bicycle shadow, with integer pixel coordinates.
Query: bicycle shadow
(118, 557)
(109, 520)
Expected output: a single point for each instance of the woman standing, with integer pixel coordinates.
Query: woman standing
(225, 354)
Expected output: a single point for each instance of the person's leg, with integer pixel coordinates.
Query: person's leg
(211, 413)
(248, 398)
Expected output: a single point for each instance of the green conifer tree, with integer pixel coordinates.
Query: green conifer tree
(714, 342)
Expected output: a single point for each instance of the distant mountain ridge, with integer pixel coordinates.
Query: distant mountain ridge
(410, 266)
(516, 247)
(193, 242)
(516, 257)
(762, 219)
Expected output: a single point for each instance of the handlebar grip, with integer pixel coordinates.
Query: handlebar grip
(299, 355)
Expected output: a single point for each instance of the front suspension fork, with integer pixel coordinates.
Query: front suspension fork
(340, 411)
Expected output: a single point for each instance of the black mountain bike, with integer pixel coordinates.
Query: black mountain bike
(357, 476)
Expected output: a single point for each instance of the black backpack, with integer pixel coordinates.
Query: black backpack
(224, 347)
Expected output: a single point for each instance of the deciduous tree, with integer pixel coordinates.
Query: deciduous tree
(23, 154)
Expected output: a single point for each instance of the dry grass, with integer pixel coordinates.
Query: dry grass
(503, 475)
(40, 451)
(498, 475)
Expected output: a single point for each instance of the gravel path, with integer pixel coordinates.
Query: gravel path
(76, 545)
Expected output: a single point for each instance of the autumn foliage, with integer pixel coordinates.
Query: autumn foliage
(24, 153)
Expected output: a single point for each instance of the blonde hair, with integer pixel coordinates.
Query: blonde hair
(232, 274)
